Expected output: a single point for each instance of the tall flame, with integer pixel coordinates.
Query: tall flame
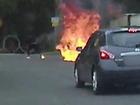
(78, 25)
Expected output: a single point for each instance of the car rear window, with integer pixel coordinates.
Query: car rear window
(124, 39)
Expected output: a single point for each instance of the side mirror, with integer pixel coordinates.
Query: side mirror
(79, 49)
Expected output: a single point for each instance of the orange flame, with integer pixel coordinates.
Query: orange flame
(78, 25)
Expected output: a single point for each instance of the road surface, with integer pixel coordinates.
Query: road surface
(50, 82)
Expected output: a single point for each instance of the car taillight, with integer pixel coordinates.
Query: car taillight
(104, 55)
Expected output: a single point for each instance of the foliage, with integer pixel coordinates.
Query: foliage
(26, 18)
(21, 13)
(8, 6)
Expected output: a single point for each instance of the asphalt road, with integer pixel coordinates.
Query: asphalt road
(50, 82)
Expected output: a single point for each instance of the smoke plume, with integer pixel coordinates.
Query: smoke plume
(108, 9)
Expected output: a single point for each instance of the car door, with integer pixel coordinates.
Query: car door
(87, 58)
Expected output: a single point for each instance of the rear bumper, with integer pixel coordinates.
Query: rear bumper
(121, 77)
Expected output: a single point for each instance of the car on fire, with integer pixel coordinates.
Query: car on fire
(110, 58)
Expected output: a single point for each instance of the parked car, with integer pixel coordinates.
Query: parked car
(111, 57)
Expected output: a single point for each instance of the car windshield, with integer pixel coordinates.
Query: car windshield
(124, 39)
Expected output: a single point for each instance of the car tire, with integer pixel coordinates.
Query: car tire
(78, 82)
(96, 83)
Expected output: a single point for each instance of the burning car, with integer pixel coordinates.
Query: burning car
(77, 26)
(111, 57)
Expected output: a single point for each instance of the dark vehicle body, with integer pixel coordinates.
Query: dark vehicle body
(111, 57)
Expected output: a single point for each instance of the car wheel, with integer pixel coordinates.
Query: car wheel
(78, 82)
(96, 85)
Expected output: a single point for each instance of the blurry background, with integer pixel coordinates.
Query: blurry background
(37, 20)
(28, 20)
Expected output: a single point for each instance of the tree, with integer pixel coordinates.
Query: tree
(8, 6)
(26, 18)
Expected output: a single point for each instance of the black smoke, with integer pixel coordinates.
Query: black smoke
(108, 9)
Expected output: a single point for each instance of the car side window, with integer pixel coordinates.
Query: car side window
(98, 41)
(102, 39)
(90, 40)
(93, 43)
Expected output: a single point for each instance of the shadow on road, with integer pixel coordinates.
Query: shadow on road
(117, 90)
